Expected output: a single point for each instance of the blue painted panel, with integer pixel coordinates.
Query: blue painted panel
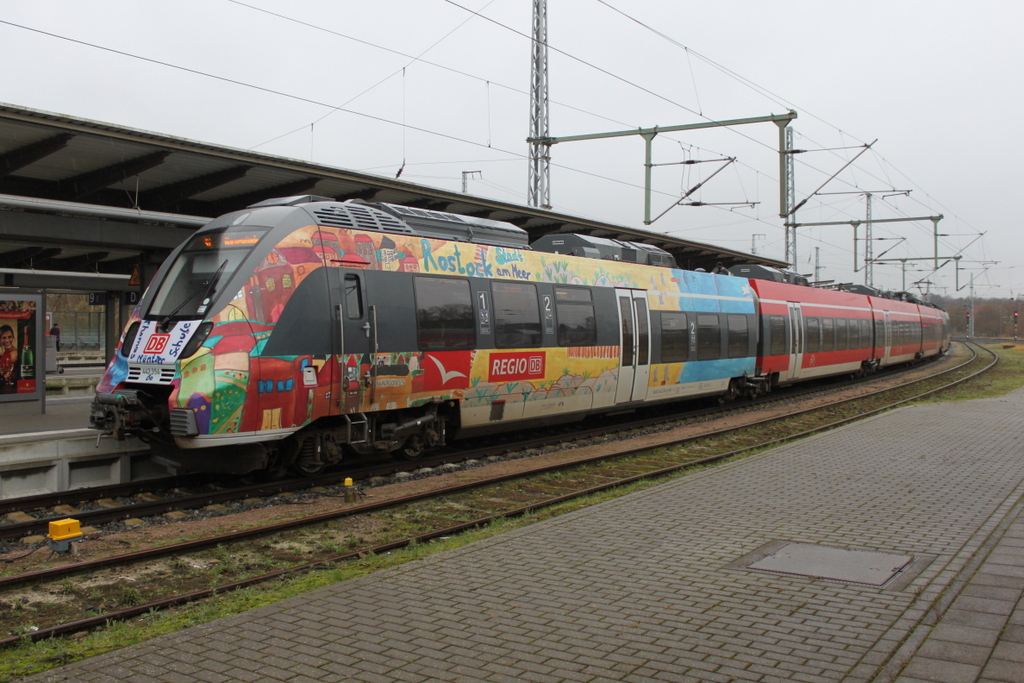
(709, 285)
(725, 368)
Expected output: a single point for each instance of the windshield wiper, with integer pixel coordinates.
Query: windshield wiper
(205, 290)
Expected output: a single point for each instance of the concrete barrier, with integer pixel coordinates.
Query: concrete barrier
(80, 358)
(47, 466)
(66, 384)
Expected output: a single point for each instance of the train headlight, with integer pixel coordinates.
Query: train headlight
(202, 332)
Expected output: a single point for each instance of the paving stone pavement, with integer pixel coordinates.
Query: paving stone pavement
(651, 587)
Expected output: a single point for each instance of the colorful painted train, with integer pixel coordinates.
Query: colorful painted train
(286, 335)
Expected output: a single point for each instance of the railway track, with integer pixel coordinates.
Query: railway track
(153, 498)
(614, 464)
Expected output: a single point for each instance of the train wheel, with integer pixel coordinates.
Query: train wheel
(309, 462)
(411, 449)
(730, 394)
(309, 470)
(276, 468)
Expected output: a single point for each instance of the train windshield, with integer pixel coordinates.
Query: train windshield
(199, 272)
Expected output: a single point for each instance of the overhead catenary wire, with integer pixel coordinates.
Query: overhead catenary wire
(884, 166)
(778, 99)
(414, 59)
(757, 88)
(309, 100)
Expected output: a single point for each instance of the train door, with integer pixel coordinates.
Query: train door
(634, 345)
(796, 342)
(355, 339)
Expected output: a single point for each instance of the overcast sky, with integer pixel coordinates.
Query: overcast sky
(442, 87)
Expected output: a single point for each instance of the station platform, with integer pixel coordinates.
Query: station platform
(915, 516)
(63, 414)
(56, 450)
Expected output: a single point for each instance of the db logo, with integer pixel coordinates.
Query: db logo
(157, 343)
(507, 367)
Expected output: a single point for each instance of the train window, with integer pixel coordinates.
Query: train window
(842, 342)
(813, 335)
(353, 297)
(739, 336)
(866, 340)
(204, 265)
(444, 313)
(577, 325)
(626, 316)
(855, 334)
(828, 334)
(675, 338)
(643, 330)
(709, 337)
(516, 315)
(777, 335)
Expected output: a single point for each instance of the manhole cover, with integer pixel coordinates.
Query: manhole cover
(817, 561)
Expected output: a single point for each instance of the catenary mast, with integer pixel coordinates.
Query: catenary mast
(540, 154)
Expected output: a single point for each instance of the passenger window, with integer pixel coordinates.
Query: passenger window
(709, 337)
(828, 335)
(777, 332)
(574, 308)
(813, 343)
(675, 338)
(739, 336)
(516, 315)
(444, 314)
(353, 298)
(842, 342)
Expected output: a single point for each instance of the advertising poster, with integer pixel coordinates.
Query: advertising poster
(18, 324)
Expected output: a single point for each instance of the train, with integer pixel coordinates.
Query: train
(302, 330)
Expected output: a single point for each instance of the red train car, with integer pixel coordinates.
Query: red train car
(898, 337)
(807, 332)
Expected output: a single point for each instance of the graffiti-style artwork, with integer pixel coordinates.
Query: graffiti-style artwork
(234, 387)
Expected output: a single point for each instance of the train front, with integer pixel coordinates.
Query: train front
(140, 393)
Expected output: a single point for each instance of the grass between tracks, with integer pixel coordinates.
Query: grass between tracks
(29, 657)
(1005, 377)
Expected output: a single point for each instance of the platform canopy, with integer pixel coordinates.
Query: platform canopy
(80, 196)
